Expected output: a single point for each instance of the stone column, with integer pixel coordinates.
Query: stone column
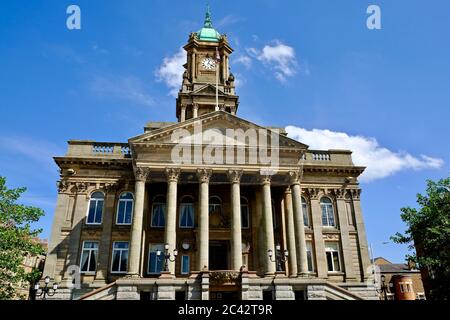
(195, 111)
(183, 113)
(62, 204)
(302, 261)
(141, 174)
(268, 223)
(171, 219)
(345, 236)
(319, 245)
(81, 206)
(236, 234)
(362, 239)
(290, 229)
(109, 215)
(203, 240)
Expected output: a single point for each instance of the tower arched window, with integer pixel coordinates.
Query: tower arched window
(327, 212)
(95, 211)
(215, 205)
(125, 208)
(187, 212)
(159, 212)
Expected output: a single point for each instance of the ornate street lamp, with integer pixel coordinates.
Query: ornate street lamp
(279, 257)
(167, 256)
(46, 290)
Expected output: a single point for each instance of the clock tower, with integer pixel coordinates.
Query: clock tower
(208, 85)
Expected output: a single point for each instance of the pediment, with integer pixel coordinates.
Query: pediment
(215, 128)
(207, 89)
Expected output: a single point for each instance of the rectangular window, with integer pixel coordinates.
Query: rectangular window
(89, 254)
(155, 262)
(185, 267)
(119, 257)
(309, 256)
(245, 218)
(125, 212)
(332, 253)
(305, 213)
(186, 215)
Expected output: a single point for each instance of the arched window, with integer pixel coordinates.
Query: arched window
(125, 208)
(245, 214)
(215, 205)
(327, 212)
(159, 211)
(187, 212)
(95, 211)
(305, 212)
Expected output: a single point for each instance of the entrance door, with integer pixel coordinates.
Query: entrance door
(218, 255)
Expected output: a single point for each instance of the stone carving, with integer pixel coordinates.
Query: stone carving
(339, 193)
(313, 193)
(235, 176)
(141, 173)
(224, 277)
(295, 176)
(172, 174)
(204, 175)
(81, 187)
(355, 193)
(63, 185)
(265, 177)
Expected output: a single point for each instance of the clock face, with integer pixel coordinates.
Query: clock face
(208, 63)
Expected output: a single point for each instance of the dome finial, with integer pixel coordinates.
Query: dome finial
(208, 21)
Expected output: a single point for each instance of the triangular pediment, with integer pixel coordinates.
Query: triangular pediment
(207, 89)
(215, 128)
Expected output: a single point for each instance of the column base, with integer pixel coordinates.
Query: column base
(166, 275)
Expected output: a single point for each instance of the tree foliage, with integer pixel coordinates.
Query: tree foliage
(17, 240)
(428, 232)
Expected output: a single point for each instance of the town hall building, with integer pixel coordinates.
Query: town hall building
(210, 207)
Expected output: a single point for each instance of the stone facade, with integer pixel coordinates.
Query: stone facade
(223, 216)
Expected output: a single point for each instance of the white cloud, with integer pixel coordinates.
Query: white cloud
(227, 21)
(127, 88)
(280, 57)
(38, 151)
(245, 60)
(171, 71)
(380, 161)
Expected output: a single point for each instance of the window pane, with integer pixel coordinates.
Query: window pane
(324, 215)
(124, 261)
(305, 213)
(336, 261)
(128, 212)
(245, 223)
(116, 260)
(331, 215)
(84, 260)
(121, 212)
(93, 261)
(185, 264)
(91, 214)
(329, 261)
(99, 211)
(152, 262)
(127, 195)
(158, 215)
(309, 258)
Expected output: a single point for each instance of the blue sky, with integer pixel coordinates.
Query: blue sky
(306, 64)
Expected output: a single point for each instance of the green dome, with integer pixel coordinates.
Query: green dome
(208, 33)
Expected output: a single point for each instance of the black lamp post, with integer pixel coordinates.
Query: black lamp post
(46, 290)
(279, 257)
(167, 256)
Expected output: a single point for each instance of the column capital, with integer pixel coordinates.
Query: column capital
(141, 173)
(355, 193)
(265, 176)
(288, 190)
(339, 193)
(172, 174)
(63, 185)
(235, 175)
(313, 193)
(295, 176)
(204, 175)
(111, 187)
(81, 187)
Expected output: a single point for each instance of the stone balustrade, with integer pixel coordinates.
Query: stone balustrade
(87, 148)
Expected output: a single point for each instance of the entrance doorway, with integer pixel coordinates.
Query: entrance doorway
(218, 255)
